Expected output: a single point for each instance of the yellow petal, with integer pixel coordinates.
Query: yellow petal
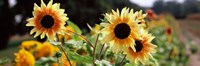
(49, 5)
(42, 4)
(30, 24)
(36, 7)
(43, 35)
(108, 38)
(33, 30)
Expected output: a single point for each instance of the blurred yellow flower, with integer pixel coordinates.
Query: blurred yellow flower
(95, 29)
(24, 58)
(30, 45)
(68, 35)
(143, 49)
(45, 50)
(47, 20)
(121, 29)
(140, 18)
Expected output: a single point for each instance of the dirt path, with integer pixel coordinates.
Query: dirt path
(190, 32)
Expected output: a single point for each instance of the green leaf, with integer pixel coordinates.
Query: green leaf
(90, 27)
(45, 60)
(78, 58)
(3, 61)
(75, 27)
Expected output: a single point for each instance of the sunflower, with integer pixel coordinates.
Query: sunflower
(121, 29)
(143, 47)
(45, 50)
(47, 20)
(30, 45)
(24, 58)
(140, 18)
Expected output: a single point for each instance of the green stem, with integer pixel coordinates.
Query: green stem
(122, 60)
(94, 49)
(101, 51)
(66, 55)
(86, 40)
(62, 49)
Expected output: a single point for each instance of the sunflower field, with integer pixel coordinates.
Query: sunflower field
(124, 37)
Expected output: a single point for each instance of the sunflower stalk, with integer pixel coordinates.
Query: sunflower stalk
(65, 55)
(122, 60)
(94, 49)
(86, 40)
(62, 49)
(101, 52)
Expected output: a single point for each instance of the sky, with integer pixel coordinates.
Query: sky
(149, 3)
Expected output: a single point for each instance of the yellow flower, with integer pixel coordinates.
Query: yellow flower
(143, 49)
(68, 35)
(30, 45)
(63, 62)
(45, 50)
(121, 29)
(47, 20)
(140, 18)
(24, 58)
(95, 29)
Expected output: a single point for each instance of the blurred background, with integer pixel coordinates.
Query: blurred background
(13, 15)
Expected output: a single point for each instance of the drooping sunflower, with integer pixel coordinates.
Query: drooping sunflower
(47, 20)
(24, 58)
(143, 47)
(121, 29)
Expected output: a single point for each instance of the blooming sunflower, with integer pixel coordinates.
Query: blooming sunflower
(45, 50)
(30, 45)
(24, 58)
(47, 20)
(143, 49)
(121, 29)
(140, 18)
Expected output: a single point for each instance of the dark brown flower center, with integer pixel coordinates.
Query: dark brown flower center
(138, 46)
(47, 21)
(122, 30)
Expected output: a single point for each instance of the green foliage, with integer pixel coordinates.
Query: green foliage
(76, 28)
(78, 58)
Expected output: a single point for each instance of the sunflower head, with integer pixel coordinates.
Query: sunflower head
(45, 50)
(30, 45)
(24, 58)
(121, 29)
(143, 48)
(47, 20)
(140, 18)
